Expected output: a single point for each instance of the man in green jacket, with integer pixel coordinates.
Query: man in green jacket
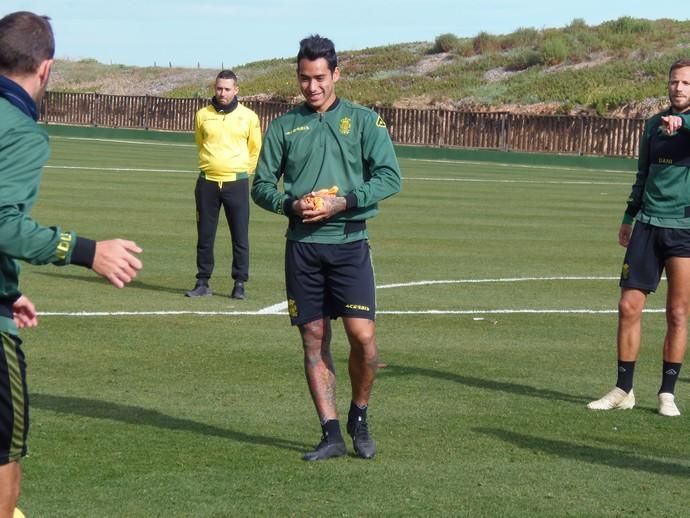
(26, 56)
(337, 161)
(660, 207)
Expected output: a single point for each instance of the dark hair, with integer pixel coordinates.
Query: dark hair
(227, 74)
(681, 63)
(315, 47)
(26, 40)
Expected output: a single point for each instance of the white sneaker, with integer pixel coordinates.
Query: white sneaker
(667, 405)
(616, 399)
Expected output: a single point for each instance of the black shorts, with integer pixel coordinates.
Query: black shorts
(647, 252)
(14, 400)
(329, 281)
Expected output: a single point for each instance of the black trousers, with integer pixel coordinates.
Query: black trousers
(234, 198)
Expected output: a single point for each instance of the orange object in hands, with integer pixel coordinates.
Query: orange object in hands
(316, 199)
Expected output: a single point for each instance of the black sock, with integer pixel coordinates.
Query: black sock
(356, 412)
(331, 429)
(625, 375)
(669, 376)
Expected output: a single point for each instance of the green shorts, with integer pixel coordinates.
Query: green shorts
(647, 252)
(333, 281)
(14, 400)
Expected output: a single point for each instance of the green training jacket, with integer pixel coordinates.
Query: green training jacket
(661, 193)
(348, 146)
(23, 152)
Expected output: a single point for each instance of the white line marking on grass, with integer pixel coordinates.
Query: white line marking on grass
(149, 313)
(125, 169)
(136, 142)
(506, 279)
(485, 180)
(522, 166)
(382, 312)
(510, 311)
(281, 307)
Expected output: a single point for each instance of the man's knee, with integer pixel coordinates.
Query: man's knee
(315, 335)
(630, 306)
(677, 315)
(363, 344)
(361, 331)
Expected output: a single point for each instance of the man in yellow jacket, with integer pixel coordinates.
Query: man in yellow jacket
(228, 137)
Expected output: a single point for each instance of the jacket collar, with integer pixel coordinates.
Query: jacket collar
(18, 97)
(224, 108)
(330, 108)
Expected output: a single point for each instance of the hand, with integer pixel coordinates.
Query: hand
(671, 124)
(624, 234)
(115, 260)
(330, 206)
(24, 313)
(316, 198)
(301, 205)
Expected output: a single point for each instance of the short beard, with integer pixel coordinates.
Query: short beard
(682, 108)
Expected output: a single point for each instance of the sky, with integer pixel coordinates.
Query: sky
(228, 33)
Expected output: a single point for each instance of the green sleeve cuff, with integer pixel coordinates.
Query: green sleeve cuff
(350, 201)
(286, 206)
(628, 219)
(84, 252)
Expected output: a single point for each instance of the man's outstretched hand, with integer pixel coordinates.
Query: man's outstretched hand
(115, 260)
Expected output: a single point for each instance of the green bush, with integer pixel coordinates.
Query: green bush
(485, 43)
(554, 49)
(191, 91)
(371, 61)
(524, 37)
(625, 33)
(525, 58)
(627, 25)
(465, 47)
(582, 40)
(577, 25)
(445, 43)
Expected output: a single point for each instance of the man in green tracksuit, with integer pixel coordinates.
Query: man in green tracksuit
(26, 56)
(660, 206)
(329, 143)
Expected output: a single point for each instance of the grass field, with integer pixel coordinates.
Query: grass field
(497, 296)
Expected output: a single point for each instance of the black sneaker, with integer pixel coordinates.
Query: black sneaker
(238, 290)
(326, 449)
(200, 290)
(364, 445)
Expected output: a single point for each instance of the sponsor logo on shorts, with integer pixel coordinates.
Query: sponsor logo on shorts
(625, 272)
(292, 308)
(357, 307)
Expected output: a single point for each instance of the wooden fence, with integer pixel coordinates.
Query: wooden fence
(581, 135)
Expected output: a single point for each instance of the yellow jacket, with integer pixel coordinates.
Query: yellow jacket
(228, 143)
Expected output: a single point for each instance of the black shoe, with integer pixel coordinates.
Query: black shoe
(200, 290)
(326, 449)
(364, 445)
(238, 290)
